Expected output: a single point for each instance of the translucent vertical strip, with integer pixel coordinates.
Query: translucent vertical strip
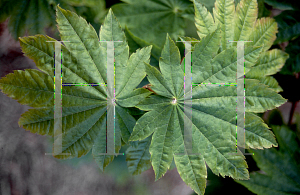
(57, 102)
(240, 96)
(110, 98)
(188, 133)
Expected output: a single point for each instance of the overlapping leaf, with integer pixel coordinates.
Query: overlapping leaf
(244, 27)
(213, 114)
(279, 169)
(150, 20)
(83, 107)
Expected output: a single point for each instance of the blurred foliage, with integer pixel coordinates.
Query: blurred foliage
(32, 17)
(280, 169)
(150, 20)
(292, 65)
(283, 4)
(288, 26)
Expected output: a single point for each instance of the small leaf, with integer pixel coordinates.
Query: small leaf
(84, 107)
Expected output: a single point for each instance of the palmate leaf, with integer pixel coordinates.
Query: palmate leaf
(241, 24)
(213, 115)
(150, 20)
(83, 107)
(279, 169)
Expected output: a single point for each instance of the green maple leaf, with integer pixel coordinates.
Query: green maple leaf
(150, 20)
(83, 107)
(279, 168)
(213, 113)
(241, 23)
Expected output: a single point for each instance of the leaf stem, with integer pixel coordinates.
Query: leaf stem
(294, 105)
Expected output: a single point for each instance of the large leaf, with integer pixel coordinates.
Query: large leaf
(213, 117)
(279, 168)
(262, 33)
(83, 107)
(150, 20)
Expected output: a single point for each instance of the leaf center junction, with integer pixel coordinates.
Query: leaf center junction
(174, 101)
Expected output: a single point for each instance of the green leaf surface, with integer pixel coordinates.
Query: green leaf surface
(135, 43)
(203, 20)
(151, 20)
(138, 158)
(264, 33)
(224, 15)
(238, 24)
(84, 107)
(269, 63)
(213, 116)
(279, 168)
